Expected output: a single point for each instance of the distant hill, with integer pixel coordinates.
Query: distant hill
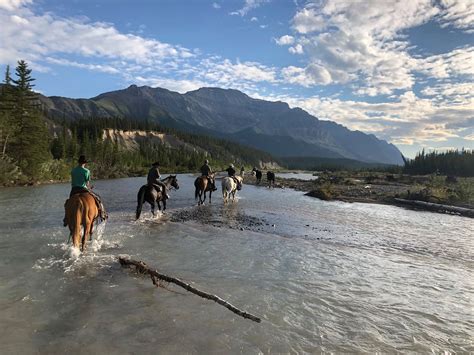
(230, 114)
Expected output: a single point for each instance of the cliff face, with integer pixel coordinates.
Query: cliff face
(131, 140)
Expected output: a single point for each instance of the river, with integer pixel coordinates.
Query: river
(323, 276)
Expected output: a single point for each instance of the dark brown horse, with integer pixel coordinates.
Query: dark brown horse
(81, 211)
(202, 186)
(154, 197)
(258, 175)
(271, 179)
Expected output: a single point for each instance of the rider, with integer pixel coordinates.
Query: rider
(80, 183)
(154, 181)
(231, 171)
(207, 172)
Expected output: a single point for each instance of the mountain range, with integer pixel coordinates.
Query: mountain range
(273, 127)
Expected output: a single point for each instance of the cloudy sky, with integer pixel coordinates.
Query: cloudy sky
(402, 70)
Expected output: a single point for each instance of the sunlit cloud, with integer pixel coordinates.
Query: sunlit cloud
(249, 5)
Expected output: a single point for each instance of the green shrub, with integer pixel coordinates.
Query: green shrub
(10, 173)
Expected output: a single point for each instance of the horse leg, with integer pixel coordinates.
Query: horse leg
(85, 235)
(153, 208)
(210, 196)
(91, 230)
(164, 205)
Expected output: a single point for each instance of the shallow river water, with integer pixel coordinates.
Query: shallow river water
(323, 276)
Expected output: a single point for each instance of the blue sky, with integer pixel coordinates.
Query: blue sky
(402, 70)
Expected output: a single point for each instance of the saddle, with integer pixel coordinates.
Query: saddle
(210, 181)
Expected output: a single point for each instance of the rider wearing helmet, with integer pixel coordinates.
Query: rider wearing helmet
(207, 172)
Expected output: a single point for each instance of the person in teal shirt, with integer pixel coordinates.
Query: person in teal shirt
(80, 183)
(80, 177)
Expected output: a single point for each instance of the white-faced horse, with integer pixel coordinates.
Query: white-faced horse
(229, 187)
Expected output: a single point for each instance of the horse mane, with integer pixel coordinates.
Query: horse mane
(169, 177)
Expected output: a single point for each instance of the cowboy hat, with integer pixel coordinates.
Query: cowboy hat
(82, 159)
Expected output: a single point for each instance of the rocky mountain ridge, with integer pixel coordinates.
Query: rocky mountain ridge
(230, 114)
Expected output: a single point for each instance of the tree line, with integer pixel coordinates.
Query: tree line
(35, 147)
(454, 162)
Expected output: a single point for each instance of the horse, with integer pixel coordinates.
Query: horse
(202, 186)
(81, 211)
(152, 196)
(258, 175)
(229, 187)
(271, 179)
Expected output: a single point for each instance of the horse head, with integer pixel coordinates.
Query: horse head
(174, 182)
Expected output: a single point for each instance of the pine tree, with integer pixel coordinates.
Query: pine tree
(31, 146)
(8, 124)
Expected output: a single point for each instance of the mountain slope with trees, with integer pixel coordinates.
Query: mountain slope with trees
(231, 114)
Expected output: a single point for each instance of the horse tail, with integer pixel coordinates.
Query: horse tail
(77, 220)
(196, 191)
(140, 201)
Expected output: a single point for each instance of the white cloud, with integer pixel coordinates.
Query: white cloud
(458, 13)
(361, 41)
(226, 72)
(215, 5)
(285, 40)
(254, 19)
(11, 5)
(459, 62)
(308, 20)
(30, 36)
(181, 86)
(248, 6)
(297, 49)
(93, 67)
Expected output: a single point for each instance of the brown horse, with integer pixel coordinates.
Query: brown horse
(202, 186)
(81, 211)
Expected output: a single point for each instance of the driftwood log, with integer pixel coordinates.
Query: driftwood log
(143, 268)
(467, 212)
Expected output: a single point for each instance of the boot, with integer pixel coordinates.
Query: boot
(102, 213)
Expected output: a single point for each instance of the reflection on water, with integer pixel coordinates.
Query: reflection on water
(324, 276)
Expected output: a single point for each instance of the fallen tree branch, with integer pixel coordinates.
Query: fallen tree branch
(143, 268)
(467, 212)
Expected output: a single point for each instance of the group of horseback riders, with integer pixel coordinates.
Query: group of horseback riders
(207, 172)
(80, 181)
(84, 207)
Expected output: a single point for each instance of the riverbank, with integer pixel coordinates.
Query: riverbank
(436, 193)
